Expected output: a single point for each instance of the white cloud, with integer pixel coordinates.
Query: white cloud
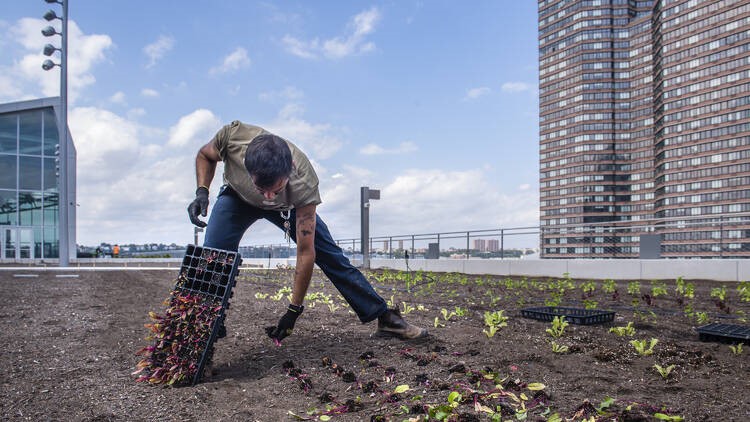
(194, 130)
(118, 97)
(148, 92)
(304, 49)
(374, 149)
(474, 93)
(515, 87)
(131, 188)
(25, 78)
(354, 42)
(136, 112)
(289, 93)
(424, 201)
(316, 139)
(157, 49)
(107, 144)
(236, 60)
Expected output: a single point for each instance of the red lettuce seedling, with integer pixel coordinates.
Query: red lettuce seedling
(180, 337)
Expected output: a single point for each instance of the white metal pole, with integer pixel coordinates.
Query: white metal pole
(64, 202)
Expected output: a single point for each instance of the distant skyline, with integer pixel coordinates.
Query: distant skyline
(433, 103)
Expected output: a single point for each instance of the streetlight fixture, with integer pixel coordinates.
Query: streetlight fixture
(49, 49)
(364, 205)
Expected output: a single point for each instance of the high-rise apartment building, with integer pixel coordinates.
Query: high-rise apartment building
(644, 121)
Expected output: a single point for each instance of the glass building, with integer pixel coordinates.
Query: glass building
(29, 181)
(644, 120)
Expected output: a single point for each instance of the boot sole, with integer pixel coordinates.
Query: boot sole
(390, 334)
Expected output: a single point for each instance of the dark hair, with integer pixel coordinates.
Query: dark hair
(268, 159)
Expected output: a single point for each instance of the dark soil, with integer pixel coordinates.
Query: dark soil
(68, 351)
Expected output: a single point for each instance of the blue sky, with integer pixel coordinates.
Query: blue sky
(435, 103)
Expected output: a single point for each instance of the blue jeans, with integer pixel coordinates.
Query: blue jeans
(231, 217)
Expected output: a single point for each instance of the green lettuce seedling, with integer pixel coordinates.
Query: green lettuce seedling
(640, 346)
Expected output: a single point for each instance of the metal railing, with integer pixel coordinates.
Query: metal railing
(715, 236)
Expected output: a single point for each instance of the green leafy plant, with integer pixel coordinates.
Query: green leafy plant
(406, 308)
(688, 311)
(664, 371)
(558, 327)
(588, 288)
(445, 411)
(559, 348)
(627, 330)
(555, 299)
(590, 304)
(736, 350)
(658, 289)
(260, 295)
(281, 292)
(668, 418)
(609, 286)
(494, 321)
(634, 288)
(743, 289)
(642, 349)
(605, 404)
(686, 290)
(702, 317)
(719, 293)
(447, 315)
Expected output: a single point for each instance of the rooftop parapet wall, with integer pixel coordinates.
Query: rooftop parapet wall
(595, 269)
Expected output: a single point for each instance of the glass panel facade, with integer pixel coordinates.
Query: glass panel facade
(51, 136)
(30, 208)
(51, 248)
(51, 208)
(9, 174)
(30, 133)
(50, 174)
(29, 194)
(30, 173)
(8, 134)
(8, 208)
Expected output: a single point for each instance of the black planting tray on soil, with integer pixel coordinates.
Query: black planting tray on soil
(576, 316)
(725, 333)
(210, 273)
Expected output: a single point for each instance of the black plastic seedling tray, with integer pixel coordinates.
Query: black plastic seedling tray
(206, 277)
(210, 273)
(576, 316)
(724, 333)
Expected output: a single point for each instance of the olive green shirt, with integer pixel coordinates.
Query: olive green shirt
(231, 142)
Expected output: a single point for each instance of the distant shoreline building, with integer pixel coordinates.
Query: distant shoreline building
(644, 118)
(29, 190)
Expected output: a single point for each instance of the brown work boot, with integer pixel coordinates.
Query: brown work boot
(392, 324)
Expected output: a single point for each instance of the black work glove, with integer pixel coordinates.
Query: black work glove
(199, 206)
(286, 324)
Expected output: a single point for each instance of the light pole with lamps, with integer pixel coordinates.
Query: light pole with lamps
(49, 49)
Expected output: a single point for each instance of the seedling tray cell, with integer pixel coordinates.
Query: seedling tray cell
(576, 316)
(724, 333)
